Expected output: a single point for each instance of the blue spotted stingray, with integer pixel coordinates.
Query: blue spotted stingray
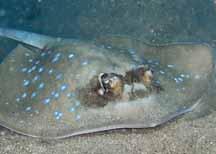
(43, 80)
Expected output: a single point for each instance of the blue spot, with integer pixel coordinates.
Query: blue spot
(46, 101)
(33, 68)
(26, 83)
(85, 62)
(29, 71)
(70, 56)
(24, 95)
(132, 51)
(40, 70)
(156, 63)
(170, 66)
(36, 111)
(149, 61)
(58, 115)
(24, 70)
(69, 95)
(72, 109)
(18, 99)
(50, 71)
(37, 62)
(28, 109)
(58, 55)
(53, 93)
(41, 85)
(56, 95)
(33, 95)
(63, 87)
(59, 76)
(77, 103)
(135, 58)
(56, 58)
(187, 76)
(157, 82)
(43, 54)
(36, 78)
(27, 54)
(180, 79)
(55, 113)
(182, 75)
(30, 60)
(162, 72)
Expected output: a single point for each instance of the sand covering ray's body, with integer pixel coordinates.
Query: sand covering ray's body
(39, 93)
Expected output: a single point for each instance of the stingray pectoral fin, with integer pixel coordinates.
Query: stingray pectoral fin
(175, 115)
(159, 122)
(32, 39)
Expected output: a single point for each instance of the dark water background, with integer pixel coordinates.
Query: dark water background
(150, 20)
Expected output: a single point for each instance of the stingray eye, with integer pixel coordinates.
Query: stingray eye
(106, 81)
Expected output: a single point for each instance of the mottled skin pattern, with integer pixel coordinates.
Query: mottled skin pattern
(109, 87)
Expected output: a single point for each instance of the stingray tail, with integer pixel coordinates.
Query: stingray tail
(32, 39)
